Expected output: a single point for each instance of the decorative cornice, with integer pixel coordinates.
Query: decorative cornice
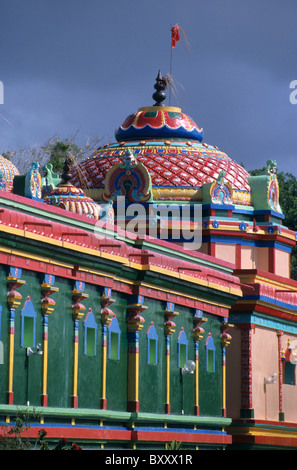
(13, 296)
(135, 320)
(78, 294)
(169, 313)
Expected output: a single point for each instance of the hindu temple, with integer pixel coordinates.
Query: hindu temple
(146, 294)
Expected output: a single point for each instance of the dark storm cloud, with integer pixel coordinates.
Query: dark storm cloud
(85, 65)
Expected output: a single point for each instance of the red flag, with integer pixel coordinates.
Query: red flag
(175, 37)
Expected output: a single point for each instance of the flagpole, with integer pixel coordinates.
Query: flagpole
(170, 68)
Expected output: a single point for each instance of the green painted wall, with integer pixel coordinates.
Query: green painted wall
(182, 389)
(210, 389)
(90, 367)
(151, 384)
(117, 370)
(28, 373)
(4, 326)
(60, 347)
(28, 370)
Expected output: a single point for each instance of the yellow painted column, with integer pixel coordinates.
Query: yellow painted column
(198, 335)
(197, 409)
(133, 371)
(135, 324)
(11, 357)
(104, 359)
(169, 329)
(75, 365)
(44, 361)
(13, 300)
(224, 408)
(47, 305)
(167, 354)
(106, 317)
(78, 310)
(225, 341)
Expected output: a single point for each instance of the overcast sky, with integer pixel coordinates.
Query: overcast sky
(85, 65)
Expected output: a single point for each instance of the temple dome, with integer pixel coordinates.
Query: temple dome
(7, 173)
(73, 199)
(169, 144)
(158, 121)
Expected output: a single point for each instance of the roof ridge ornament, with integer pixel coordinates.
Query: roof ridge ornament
(66, 175)
(161, 84)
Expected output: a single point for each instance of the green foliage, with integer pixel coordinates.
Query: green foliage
(59, 150)
(174, 445)
(11, 434)
(11, 437)
(61, 445)
(53, 151)
(288, 202)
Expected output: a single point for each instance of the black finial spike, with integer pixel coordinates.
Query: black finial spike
(159, 86)
(66, 175)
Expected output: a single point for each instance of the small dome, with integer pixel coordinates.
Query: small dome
(74, 200)
(7, 173)
(158, 122)
(71, 198)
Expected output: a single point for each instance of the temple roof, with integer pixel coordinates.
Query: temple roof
(154, 122)
(169, 144)
(71, 198)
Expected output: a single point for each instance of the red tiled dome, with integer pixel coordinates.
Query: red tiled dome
(174, 164)
(171, 150)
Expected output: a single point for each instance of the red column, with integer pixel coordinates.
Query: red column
(281, 415)
(246, 371)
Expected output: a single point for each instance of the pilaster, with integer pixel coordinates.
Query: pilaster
(47, 306)
(78, 310)
(106, 317)
(14, 298)
(198, 332)
(135, 324)
(169, 329)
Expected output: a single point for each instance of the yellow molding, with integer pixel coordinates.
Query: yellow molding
(125, 281)
(256, 278)
(160, 108)
(181, 294)
(251, 431)
(270, 305)
(25, 254)
(192, 279)
(105, 255)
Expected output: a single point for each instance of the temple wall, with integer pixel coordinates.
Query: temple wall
(63, 333)
(268, 400)
(282, 263)
(233, 366)
(264, 363)
(254, 258)
(289, 394)
(226, 252)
